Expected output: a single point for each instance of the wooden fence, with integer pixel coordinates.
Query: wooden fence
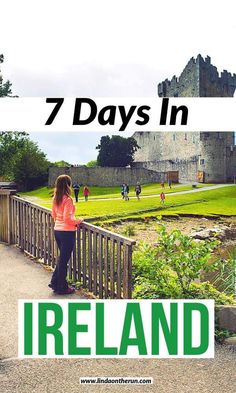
(5, 216)
(101, 260)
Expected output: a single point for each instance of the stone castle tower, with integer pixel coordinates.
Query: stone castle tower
(196, 156)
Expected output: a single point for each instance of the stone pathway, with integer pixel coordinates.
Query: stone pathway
(21, 278)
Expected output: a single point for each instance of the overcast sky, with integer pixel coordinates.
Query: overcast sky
(107, 48)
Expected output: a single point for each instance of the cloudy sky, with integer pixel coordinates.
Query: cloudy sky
(107, 48)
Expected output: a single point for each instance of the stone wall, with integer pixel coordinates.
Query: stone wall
(231, 163)
(106, 176)
(187, 168)
(199, 79)
(166, 145)
(215, 151)
(211, 84)
(214, 158)
(226, 317)
(187, 85)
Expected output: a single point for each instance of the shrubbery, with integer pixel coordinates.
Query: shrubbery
(129, 230)
(172, 268)
(22, 161)
(21, 158)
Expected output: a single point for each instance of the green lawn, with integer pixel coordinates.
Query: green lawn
(211, 202)
(44, 194)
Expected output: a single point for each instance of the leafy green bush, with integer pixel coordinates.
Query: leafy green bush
(222, 334)
(129, 230)
(206, 290)
(92, 164)
(226, 275)
(170, 269)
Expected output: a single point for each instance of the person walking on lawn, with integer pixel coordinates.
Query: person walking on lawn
(86, 193)
(123, 191)
(76, 188)
(65, 223)
(138, 190)
(126, 192)
(163, 197)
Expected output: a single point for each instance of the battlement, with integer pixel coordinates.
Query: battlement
(196, 156)
(199, 79)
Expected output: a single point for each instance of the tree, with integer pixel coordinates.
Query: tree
(5, 88)
(116, 151)
(10, 142)
(10, 145)
(61, 163)
(21, 160)
(92, 164)
(30, 166)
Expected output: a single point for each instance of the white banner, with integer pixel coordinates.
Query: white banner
(117, 114)
(116, 328)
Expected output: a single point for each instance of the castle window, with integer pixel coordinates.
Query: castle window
(154, 138)
(202, 161)
(186, 136)
(174, 137)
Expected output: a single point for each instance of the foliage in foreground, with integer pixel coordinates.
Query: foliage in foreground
(226, 276)
(171, 269)
(222, 334)
(129, 230)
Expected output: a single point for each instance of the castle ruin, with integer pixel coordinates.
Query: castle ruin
(192, 156)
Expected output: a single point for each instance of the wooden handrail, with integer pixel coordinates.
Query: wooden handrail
(101, 260)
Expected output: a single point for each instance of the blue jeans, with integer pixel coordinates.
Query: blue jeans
(65, 242)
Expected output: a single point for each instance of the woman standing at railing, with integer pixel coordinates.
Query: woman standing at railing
(63, 213)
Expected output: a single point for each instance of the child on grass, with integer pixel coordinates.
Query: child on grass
(163, 197)
(86, 193)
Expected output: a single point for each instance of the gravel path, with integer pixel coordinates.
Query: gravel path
(22, 278)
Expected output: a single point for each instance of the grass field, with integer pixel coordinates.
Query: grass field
(44, 194)
(220, 201)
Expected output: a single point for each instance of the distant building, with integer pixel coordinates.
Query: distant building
(198, 156)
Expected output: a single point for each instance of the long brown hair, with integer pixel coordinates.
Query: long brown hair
(62, 188)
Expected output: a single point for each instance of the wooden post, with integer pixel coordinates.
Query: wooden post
(127, 290)
(6, 219)
(106, 267)
(118, 269)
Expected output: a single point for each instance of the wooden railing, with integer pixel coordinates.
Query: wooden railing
(5, 216)
(101, 260)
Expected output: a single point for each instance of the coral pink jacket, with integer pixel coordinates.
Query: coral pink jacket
(64, 215)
